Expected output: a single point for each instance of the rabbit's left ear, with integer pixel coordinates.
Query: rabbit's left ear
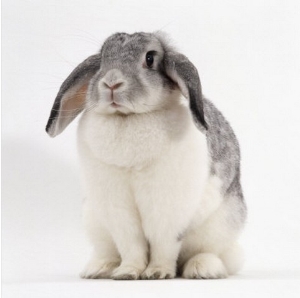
(184, 73)
(70, 100)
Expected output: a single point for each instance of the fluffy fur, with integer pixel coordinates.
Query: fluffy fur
(161, 172)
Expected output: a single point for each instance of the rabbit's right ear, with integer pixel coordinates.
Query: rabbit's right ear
(185, 75)
(70, 99)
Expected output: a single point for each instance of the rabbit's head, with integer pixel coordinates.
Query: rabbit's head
(135, 73)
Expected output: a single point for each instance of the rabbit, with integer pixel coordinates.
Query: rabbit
(160, 164)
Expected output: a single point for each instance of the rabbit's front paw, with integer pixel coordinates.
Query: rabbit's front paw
(99, 269)
(204, 266)
(158, 272)
(127, 272)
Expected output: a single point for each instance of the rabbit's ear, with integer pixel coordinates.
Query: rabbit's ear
(184, 73)
(70, 100)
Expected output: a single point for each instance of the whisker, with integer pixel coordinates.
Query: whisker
(68, 62)
(87, 108)
(130, 101)
(84, 38)
(90, 36)
(67, 110)
(156, 105)
(165, 26)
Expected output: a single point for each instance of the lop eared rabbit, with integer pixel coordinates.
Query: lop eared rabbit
(160, 162)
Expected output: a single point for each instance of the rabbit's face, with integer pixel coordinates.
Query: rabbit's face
(133, 73)
(131, 78)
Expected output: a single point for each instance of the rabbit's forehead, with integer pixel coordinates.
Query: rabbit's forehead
(129, 47)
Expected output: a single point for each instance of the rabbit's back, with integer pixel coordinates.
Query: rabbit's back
(224, 150)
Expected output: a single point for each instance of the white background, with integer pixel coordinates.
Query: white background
(248, 57)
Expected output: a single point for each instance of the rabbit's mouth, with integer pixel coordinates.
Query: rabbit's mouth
(115, 105)
(118, 108)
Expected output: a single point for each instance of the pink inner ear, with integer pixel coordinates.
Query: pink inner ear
(174, 76)
(71, 105)
(73, 102)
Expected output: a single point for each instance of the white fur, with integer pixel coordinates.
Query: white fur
(152, 206)
(147, 180)
(204, 265)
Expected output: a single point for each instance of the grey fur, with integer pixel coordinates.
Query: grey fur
(225, 156)
(222, 144)
(82, 73)
(179, 67)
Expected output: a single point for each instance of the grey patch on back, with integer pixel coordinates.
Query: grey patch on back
(225, 156)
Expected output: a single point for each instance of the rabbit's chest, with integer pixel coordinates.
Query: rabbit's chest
(126, 142)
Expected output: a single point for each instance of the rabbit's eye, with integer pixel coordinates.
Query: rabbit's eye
(150, 59)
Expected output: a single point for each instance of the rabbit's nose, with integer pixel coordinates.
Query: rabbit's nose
(113, 79)
(113, 86)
